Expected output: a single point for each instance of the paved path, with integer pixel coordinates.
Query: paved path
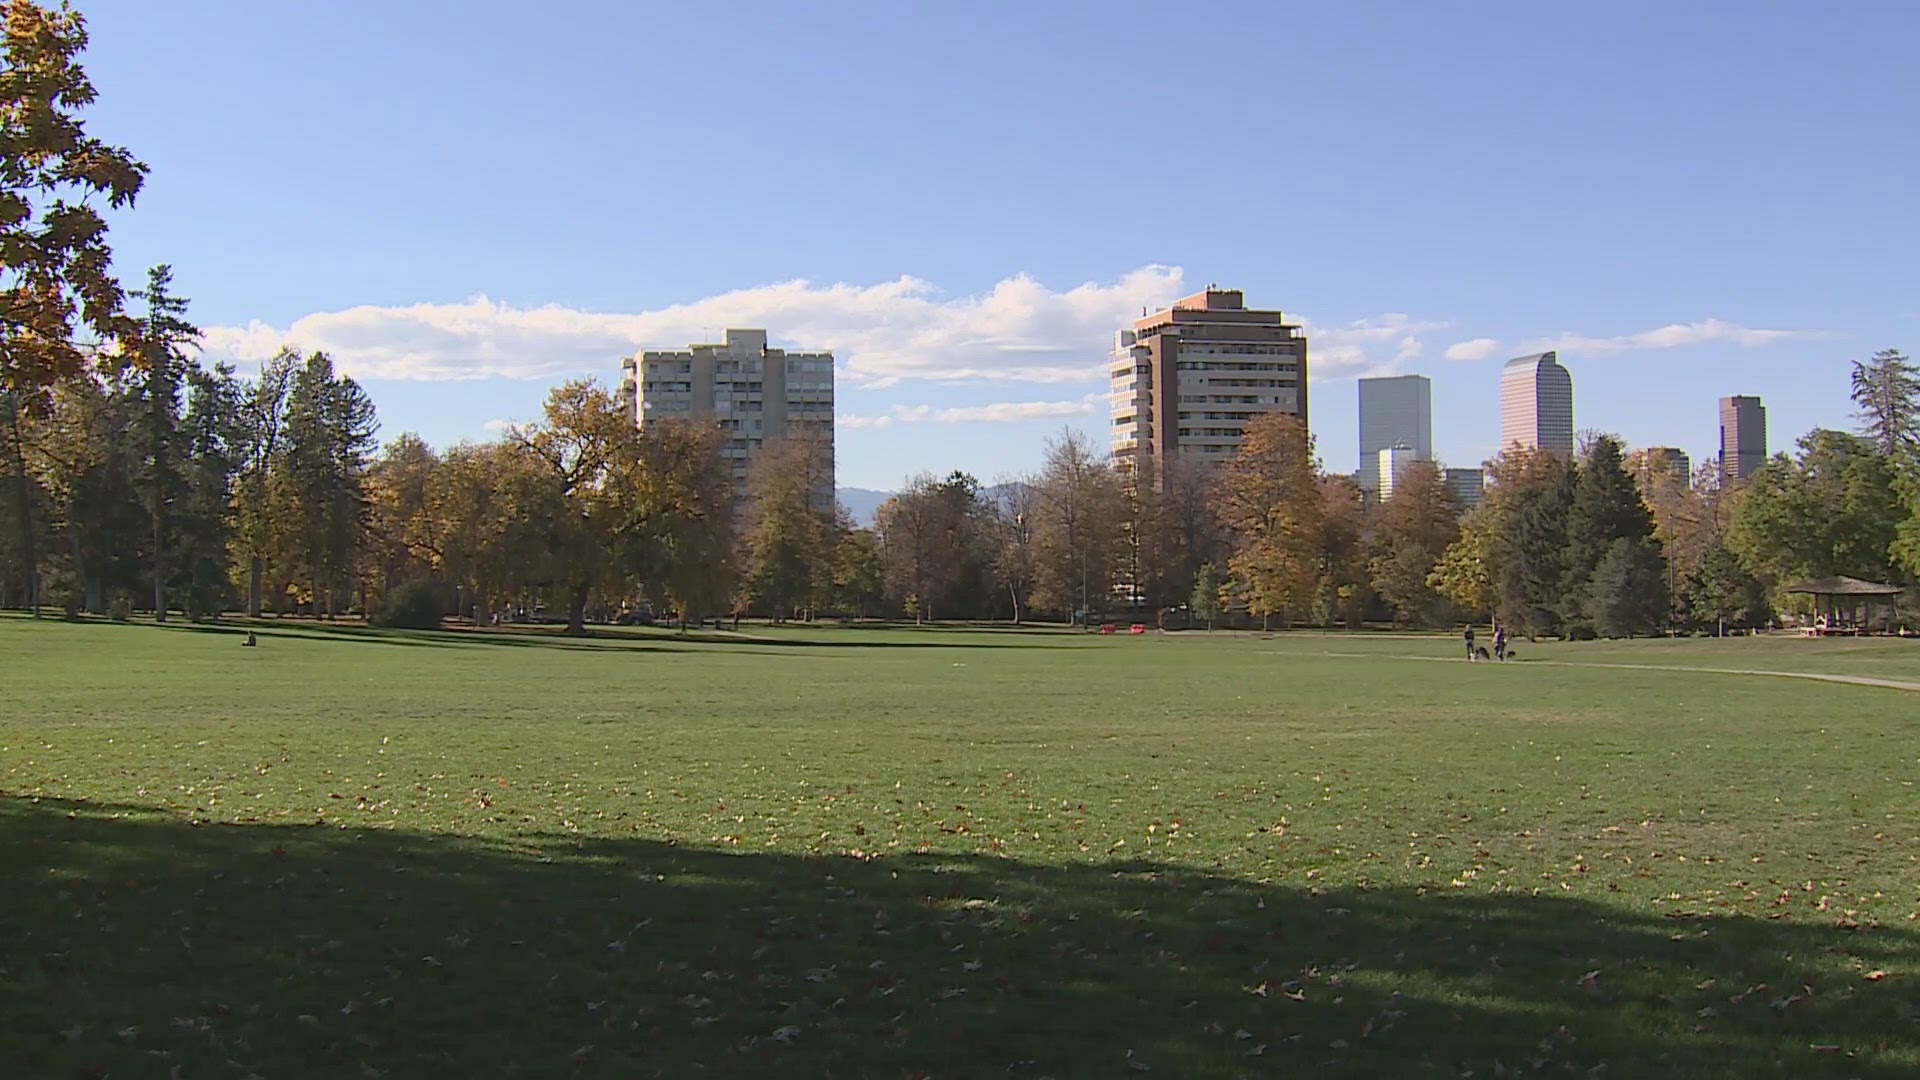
(1819, 676)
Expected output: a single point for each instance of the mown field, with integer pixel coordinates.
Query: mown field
(863, 853)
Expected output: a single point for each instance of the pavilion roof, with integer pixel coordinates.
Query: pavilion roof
(1845, 586)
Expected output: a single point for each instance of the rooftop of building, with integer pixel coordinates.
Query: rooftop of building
(1534, 359)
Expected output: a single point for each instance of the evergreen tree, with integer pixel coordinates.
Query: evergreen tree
(213, 433)
(261, 529)
(1628, 592)
(1606, 507)
(320, 481)
(158, 346)
(1886, 388)
(1529, 552)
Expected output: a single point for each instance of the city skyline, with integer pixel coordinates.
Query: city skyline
(1729, 221)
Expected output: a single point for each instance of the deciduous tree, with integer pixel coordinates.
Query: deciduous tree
(56, 275)
(1268, 498)
(1410, 532)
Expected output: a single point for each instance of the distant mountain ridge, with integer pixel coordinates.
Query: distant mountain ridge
(862, 503)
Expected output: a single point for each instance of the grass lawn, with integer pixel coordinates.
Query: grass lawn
(854, 853)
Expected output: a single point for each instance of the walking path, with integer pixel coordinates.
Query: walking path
(1820, 676)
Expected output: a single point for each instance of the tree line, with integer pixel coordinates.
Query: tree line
(139, 478)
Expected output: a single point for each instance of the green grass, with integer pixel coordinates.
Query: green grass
(860, 853)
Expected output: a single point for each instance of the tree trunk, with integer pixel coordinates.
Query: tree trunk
(577, 612)
(256, 567)
(90, 599)
(1015, 597)
(159, 575)
(24, 492)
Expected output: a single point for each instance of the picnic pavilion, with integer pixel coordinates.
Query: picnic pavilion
(1844, 605)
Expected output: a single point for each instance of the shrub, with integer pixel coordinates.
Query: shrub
(413, 606)
(120, 609)
(1580, 632)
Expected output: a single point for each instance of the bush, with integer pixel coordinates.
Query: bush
(413, 606)
(120, 609)
(1581, 632)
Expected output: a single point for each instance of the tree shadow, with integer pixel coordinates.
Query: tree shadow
(140, 944)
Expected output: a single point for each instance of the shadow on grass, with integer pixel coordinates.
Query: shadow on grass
(132, 944)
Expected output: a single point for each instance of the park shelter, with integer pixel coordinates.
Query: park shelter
(1846, 602)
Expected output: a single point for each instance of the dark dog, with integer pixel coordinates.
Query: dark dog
(1480, 653)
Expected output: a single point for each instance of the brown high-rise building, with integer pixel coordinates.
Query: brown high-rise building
(1743, 436)
(1187, 380)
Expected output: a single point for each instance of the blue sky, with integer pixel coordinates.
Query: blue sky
(468, 202)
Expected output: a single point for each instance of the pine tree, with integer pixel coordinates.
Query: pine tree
(1530, 549)
(1628, 592)
(1887, 390)
(1606, 507)
(214, 436)
(158, 345)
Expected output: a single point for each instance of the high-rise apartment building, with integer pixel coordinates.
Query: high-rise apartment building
(1394, 411)
(1468, 486)
(753, 392)
(1743, 436)
(1187, 379)
(1536, 405)
(1389, 463)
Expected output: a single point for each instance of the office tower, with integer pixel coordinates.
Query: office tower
(1389, 463)
(1658, 462)
(1395, 411)
(754, 392)
(1467, 485)
(1536, 405)
(1743, 436)
(1187, 379)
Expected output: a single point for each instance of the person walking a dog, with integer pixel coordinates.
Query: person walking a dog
(1469, 636)
(1499, 642)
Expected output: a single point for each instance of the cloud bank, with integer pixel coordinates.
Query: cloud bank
(1480, 348)
(1673, 335)
(904, 329)
(999, 412)
(880, 334)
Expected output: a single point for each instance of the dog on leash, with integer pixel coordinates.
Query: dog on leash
(1480, 653)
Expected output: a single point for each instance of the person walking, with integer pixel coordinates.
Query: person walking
(1469, 635)
(1499, 642)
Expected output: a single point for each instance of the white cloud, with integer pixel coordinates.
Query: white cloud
(901, 329)
(1480, 348)
(498, 426)
(1674, 335)
(998, 412)
(1358, 348)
